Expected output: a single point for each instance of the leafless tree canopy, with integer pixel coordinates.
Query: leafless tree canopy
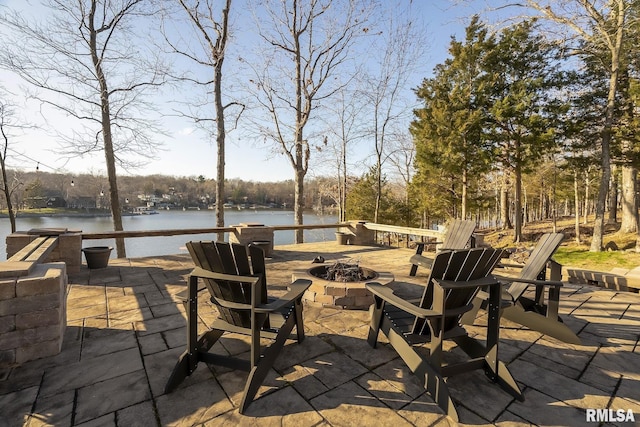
(54, 57)
(304, 45)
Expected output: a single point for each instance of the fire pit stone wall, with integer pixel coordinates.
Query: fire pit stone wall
(338, 294)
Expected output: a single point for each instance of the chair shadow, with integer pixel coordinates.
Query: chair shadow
(334, 373)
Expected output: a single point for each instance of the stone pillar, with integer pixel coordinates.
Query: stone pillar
(33, 314)
(252, 232)
(360, 234)
(69, 249)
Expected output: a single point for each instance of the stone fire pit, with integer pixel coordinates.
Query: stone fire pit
(341, 284)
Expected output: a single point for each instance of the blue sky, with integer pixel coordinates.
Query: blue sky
(186, 151)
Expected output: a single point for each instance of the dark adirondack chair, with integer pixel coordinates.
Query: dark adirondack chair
(536, 314)
(234, 276)
(456, 277)
(457, 236)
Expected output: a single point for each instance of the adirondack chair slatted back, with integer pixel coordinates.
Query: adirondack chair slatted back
(460, 265)
(231, 259)
(458, 234)
(537, 261)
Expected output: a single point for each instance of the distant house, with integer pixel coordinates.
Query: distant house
(36, 202)
(83, 202)
(56, 202)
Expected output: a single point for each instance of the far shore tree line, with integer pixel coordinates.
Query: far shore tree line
(86, 192)
(533, 119)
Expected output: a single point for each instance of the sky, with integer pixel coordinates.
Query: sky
(187, 151)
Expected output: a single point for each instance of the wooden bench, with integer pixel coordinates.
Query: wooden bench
(23, 261)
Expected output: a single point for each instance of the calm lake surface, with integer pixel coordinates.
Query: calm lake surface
(149, 246)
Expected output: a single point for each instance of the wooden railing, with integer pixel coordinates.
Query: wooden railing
(394, 235)
(154, 233)
(391, 235)
(185, 231)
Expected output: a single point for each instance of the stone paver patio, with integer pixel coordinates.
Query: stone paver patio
(125, 330)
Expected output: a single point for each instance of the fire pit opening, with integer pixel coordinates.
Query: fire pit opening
(341, 284)
(343, 271)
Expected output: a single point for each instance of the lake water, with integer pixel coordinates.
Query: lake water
(149, 246)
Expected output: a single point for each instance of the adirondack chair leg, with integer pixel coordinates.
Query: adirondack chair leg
(376, 319)
(431, 380)
(259, 372)
(414, 267)
(181, 371)
(496, 370)
(299, 324)
(188, 361)
(553, 304)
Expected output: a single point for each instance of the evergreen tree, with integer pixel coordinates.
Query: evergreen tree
(449, 130)
(524, 111)
(361, 200)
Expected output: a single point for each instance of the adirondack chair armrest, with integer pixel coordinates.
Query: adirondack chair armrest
(389, 297)
(476, 283)
(554, 283)
(296, 289)
(421, 260)
(206, 274)
(509, 265)
(422, 244)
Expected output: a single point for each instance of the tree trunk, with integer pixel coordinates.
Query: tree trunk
(220, 143)
(504, 204)
(613, 196)
(517, 232)
(629, 200)
(576, 197)
(299, 204)
(463, 214)
(109, 154)
(220, 131)
(586, 197)
(343, 198)
(376, 213)
(598, 226)
(615, 48)
(7, 189)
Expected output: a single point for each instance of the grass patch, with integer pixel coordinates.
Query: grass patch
(571, 254)
(599, 261)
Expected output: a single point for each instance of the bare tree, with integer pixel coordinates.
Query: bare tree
(209, 25)
(305, 44)
(396, 55)
(595, 24)
(344, 123)
(8, 188)
(402, 156)
(84, 61)
(629, 200)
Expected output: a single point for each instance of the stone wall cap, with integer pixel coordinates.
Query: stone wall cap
(48, 231)
(15, 268)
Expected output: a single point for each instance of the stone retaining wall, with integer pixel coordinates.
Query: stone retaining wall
(619, 279)
(33, 314)
(68, 249)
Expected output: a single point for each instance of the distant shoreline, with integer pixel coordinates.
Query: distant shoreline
(103, 214)
(58, 214)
